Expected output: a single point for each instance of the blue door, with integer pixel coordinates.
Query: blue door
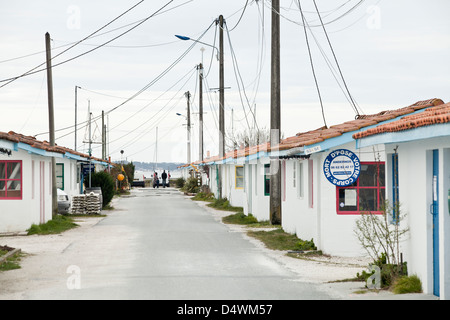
(435, 212)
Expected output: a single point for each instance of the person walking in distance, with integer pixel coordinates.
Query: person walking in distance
(155, 180)
(164, 178)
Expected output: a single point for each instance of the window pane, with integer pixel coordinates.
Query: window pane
(2, 189)
(382, 175)
(267, 187)
(59, 183)
(59, 170)
(348, 199)
(368, 200)
(13, 170)
(2, 170)
(266, 179)
(14, 188)
(239, 182)
(239, 171)
(368, 175)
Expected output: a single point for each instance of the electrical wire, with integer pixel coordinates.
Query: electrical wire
(239, 79)
(146, 87)
(321, 24)
(103, 33)
(335, 59)
(312, 64)
(240, 18)
(32, 71)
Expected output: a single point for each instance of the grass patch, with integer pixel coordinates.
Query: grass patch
(58, 224)
(240, 218)
(407, 284)
(202, 196)
(224, 204)
(280, 240)
(11, 263)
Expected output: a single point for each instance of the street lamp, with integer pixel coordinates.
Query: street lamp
(220, 21)
(184, 38)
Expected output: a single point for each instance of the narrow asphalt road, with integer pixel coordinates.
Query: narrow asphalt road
(156, 244)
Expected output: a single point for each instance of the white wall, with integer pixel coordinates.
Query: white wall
(234, 195)
(415, 183)
(19, 215)
(312, 214)
(259, 201)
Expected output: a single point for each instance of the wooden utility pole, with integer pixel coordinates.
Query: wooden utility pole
(221, 92)
(51, 121)
(103, 136)
(221, 104)
(90, 142)
(275, 119)
(200, 113)
(76, 115)
(188, 96)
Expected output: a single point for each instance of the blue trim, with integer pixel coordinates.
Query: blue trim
(435, 212)
(395, 191)
(75, 157)
(37, 151)
(8, 145)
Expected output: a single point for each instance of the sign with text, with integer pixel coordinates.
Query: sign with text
(342, 167)
(88, 168)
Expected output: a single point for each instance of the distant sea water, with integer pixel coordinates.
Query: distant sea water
(148, 174)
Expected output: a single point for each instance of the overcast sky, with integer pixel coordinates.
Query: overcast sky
(391, 54)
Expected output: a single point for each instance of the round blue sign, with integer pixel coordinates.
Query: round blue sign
(342, 167)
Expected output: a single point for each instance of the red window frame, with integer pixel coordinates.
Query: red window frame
(4, 179)
(380, 189)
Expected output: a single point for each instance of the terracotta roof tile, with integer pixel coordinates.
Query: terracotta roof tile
(323, 133)
(433, 115)
(43, 145)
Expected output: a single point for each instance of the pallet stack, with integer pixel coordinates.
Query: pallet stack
(92, 203)
(86, 204)
(79, 204)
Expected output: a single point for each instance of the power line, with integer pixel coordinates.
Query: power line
(335, 59)
(312, 65)
(147, 86)
(84, 53)
(321, 24)
(242, 14)
(101, 34)
(32, 71)
(239, 77)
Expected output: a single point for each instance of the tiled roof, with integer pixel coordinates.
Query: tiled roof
(434, 115)
(319, 135)
(43, 145)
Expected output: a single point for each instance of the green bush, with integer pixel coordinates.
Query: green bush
(389, 272)
(179, 183)
(191, 186)
(306, 245)
(202, 196)
(106, 182)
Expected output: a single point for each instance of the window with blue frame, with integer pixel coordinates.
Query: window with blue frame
(395, 196)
